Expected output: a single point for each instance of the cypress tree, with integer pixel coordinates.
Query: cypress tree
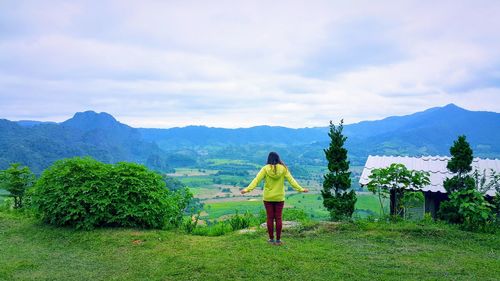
(336, 199)
(460, 164)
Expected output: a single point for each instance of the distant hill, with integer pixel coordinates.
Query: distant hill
(201, 136)
(31, 123)
(86, 134)
(428, 132)
(100, 135)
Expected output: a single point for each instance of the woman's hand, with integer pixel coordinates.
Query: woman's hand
(243, 191)
(305, 190)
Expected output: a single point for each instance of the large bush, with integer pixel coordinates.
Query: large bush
(86, 193)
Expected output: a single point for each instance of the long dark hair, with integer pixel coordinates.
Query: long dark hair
(274, 159)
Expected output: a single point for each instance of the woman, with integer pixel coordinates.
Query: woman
(274, 173)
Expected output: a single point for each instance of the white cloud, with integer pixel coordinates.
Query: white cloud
(237, 64)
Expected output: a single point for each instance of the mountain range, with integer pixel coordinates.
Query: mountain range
(100, 135)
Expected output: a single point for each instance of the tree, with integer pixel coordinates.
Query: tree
(460, 164)
(467, 205)
(17, 180)
(394, 180)
(336, 198)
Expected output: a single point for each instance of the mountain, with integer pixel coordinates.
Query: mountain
(86, 134)
(428, 132)
(100, 135)
(31, 123)
(201, 136)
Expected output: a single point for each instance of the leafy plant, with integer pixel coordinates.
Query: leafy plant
(473, 208)
(395, 179)
(217, 229)
(86, 193)
(240, 221)
(16, 180)
(336, 199)
(190, 223)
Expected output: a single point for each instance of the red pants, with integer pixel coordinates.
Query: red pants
(274, 211)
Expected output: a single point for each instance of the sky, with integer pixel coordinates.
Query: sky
(163, 64)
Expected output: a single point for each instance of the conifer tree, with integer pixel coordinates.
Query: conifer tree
(336, 197)
(460, 164)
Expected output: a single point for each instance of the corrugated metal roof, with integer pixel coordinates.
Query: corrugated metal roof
(435, 165)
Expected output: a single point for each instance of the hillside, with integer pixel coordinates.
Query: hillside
(100, 135)
(430, 132)
(86, 134)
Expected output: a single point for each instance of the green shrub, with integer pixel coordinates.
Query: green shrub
(217, 229)
(476, 211)
(189, 224)
(240, 221)
(86, 193)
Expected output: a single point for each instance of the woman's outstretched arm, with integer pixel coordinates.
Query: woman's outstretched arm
(294, 183)
(260, 176)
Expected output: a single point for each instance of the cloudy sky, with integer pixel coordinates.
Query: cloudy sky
(244, 63)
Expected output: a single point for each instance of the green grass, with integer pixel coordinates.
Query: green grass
(218, 209)
(366, 251)
(367, 204)
(195, 182)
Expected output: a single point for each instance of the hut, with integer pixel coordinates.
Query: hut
(434, 193)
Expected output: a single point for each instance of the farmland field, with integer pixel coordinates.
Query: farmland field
(312, 204)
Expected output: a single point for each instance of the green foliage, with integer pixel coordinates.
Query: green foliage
(16, 180)
(461, 153)
(475, 212)
(86, 193)
(7, 204)
(294, 214)
(240, 221)
(217, 229)
(396, 179)
(158, 163)
(190, 223)
(467, 205)
(336, 199)
(457, 183)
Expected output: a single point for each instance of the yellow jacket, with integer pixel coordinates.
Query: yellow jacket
(274, 186)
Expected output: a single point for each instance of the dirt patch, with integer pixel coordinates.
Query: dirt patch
(137, 242)
(286, 224)
(247, 230)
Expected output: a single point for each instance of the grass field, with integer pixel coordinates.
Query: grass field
(312, 204)
(363, 251)
(189, 172)
(219, 161)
